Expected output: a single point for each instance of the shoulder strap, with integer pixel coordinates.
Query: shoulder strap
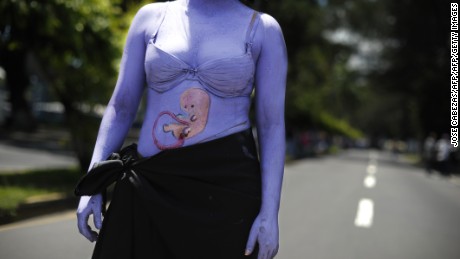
(160, 21)
(252, 29)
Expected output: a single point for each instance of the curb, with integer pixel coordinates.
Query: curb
(41, 205)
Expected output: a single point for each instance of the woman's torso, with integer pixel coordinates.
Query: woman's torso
(199, 73)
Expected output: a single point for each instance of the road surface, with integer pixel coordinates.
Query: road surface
(356, 205)
(14, 158)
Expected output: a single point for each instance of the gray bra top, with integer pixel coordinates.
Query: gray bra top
(224, 77)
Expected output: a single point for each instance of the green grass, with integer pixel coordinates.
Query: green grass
(16, 187)
(413, 159)
(333, 150)
(11, 197)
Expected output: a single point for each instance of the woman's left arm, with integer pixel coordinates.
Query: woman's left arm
(270, 84)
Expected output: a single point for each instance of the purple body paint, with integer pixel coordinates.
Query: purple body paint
(209, 54)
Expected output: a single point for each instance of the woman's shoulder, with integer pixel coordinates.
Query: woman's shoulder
(148, 17)
(269, 23)
(152, 11)
(267, 30)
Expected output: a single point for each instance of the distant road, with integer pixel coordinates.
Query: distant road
(18, 158)
(367, 205)
(357, 205)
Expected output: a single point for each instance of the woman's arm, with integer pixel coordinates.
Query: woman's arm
(269, 103)
(123, 105)
(120, 112)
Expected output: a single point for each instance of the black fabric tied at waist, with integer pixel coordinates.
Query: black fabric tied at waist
(196, 201)
(104, 173)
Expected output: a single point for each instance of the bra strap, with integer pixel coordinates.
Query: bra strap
(160, 22)
(251, 30)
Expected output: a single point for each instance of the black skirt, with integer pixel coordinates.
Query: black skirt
(197, 201)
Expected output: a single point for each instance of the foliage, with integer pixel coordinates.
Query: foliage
(16, 187)
(321, 91)
(398, 91)
(418, 65)
(407, 93)
(74, 46)
(74, 38)
(12, 197)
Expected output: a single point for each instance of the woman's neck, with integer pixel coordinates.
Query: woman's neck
(208, 6)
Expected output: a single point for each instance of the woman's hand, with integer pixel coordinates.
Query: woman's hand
(90, 205)
(265, 231)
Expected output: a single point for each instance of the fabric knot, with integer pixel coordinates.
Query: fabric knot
(117, 166)
(127, 155)
(191, 71)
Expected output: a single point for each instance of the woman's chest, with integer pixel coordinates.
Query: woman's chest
(196, 46)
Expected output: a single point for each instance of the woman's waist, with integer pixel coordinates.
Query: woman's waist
(228, 161)
(156, 136)
(227, 146)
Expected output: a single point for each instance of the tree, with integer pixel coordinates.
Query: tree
(418, 65)
(408, 93)
(75, 45)
(321, 92)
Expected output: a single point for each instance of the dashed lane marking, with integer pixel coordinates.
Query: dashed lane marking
(365, 214)
(370, 181)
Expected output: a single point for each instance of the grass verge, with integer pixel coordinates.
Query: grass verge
(18, 187)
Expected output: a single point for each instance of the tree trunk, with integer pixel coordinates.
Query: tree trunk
(17, 81)
(83, 132)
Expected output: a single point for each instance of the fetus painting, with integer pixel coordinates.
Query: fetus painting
(194, 104)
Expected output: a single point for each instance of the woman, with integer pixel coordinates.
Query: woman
(200, 60)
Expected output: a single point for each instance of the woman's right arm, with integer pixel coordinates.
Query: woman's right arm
(120, 112)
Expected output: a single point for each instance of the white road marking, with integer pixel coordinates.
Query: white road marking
(371, 169)
(365, 214)
(370, 181)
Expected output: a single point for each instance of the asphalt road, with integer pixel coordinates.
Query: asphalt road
(25, 158)
(357, 205)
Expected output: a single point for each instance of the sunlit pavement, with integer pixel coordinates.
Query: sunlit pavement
(357, 205)
(54, 237)
(368, 205)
